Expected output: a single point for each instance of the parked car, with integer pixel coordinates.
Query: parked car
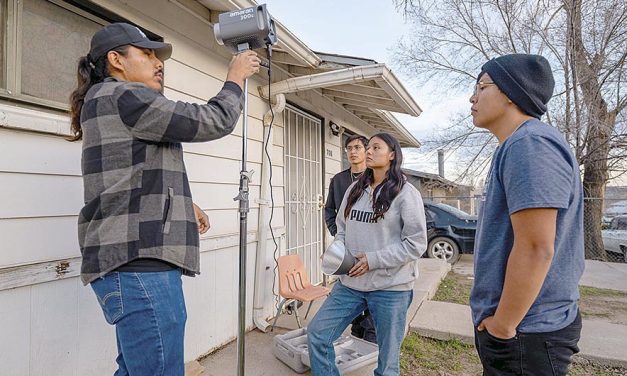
(450, 232)
(615, 238)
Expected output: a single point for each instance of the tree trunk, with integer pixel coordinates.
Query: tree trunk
(594, 178)
(600, 127)
(593, 211)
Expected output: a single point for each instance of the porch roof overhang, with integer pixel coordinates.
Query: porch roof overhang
(368, 91)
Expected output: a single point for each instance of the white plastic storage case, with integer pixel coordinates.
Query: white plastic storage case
(350, 353)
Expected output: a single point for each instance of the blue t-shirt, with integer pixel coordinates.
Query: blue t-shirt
(533, 168)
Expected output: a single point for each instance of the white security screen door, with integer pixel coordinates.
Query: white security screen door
(303, 191)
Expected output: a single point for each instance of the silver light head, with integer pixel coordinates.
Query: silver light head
(249, 28)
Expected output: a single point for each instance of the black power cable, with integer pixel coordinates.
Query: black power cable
(267, 141)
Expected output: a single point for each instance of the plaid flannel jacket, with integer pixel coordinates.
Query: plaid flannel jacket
(138, 201)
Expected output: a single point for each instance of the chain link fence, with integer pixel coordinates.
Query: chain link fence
(613, 230)
(605, 237)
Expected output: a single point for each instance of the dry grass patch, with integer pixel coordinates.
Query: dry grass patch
(603, 304)
(586, 368)
(454, 288)
(430, 357)
(595, 303)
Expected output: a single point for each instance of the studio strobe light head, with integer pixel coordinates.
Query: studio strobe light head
(249, 28)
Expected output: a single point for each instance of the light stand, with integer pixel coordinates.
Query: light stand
(244, 208)
(242, 30)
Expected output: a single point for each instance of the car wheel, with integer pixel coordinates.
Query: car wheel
(624, 249)
(443, 248)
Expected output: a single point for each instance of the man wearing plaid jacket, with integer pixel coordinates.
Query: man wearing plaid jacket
(138, 230)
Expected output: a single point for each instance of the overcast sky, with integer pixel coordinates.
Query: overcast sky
(369, 29)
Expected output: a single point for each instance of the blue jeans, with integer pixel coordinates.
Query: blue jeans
(148, 311)
(389, 311)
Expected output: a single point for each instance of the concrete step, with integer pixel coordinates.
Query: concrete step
(430, 273)
(444, 321)
(606, 275)
(602, 342)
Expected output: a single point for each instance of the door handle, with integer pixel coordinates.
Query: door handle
(320, 202)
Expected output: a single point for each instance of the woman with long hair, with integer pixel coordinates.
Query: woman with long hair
(382, 223)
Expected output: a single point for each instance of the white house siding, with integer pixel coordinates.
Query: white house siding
(57, 328)
(42, 192)
(54, 328)
(332, 164)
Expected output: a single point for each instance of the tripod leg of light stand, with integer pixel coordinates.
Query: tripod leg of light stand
(242, 197)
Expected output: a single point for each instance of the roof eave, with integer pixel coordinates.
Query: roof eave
(411, 141)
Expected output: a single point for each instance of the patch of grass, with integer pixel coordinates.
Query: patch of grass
(603, 304)
(587, 291)
(455, 288)
(430, 357)
(421, 355)
(603, 315)
(586, 368)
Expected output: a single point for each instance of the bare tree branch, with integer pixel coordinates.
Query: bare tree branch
(585, 43)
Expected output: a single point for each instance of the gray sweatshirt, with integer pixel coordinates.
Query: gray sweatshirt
(392, 244)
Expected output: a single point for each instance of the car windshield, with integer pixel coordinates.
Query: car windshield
(452, 210)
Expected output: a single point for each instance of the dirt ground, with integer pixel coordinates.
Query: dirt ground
(455, 288)
(595, 304)
(603, 304)
(426, 356)
(430, 357)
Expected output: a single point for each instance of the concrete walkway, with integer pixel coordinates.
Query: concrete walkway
(605, 275)
(260, 360)
(602, 275)
(602, 342)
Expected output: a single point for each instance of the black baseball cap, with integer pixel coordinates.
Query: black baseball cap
(120, 34)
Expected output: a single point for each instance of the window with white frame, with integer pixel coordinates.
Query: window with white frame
(41, 46)
(52, 39)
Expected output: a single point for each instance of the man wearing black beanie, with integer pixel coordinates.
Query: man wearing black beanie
(529, 253)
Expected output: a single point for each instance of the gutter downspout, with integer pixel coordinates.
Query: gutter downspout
(264, 216)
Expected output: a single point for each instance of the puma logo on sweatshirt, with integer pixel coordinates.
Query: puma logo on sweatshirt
(362, 216)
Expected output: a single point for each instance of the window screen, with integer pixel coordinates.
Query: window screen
(53, 38)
